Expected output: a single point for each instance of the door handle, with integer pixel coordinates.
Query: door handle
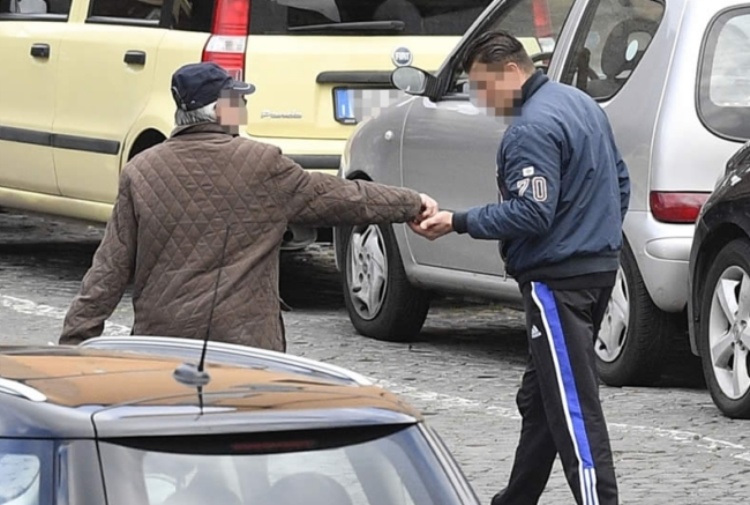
(40, 51)
(135, 58)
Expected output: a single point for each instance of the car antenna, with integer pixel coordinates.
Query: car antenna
(189, 373)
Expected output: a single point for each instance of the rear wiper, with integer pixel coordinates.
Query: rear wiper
(362, 26)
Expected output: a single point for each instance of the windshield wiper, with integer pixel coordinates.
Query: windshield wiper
(362, 26)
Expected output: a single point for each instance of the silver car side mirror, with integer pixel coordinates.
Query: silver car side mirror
(411, 80)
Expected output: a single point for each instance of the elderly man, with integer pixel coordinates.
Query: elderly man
(199, 220)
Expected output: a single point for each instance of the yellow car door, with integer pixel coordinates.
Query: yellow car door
(29, 52)
(106, 69)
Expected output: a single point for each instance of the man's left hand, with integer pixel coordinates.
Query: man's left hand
(435, 227)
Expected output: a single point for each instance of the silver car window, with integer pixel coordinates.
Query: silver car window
(398, 468)
(611, 41)
(536, 23)
(730, 72)
(25, 472)
(724, 81)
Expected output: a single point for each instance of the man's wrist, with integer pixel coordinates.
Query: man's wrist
(460, 222)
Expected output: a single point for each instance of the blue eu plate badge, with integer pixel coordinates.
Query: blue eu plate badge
(345, 106)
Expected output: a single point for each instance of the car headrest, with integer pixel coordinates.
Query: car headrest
(618, 54)
(308, 487)
(203, 494)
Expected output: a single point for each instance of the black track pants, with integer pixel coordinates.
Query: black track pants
(559, 400)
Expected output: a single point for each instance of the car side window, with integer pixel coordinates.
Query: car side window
(611, 41)
(29, 9)
(192, 15)
(536, 23)
(724, 78)
(25, 471)
(143, 10)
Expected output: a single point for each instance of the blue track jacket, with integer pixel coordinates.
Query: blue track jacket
(564, 188)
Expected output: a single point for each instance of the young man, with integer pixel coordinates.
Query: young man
(564, 194)
(199, 221)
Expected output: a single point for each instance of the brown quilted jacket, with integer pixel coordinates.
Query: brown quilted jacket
(207, 210)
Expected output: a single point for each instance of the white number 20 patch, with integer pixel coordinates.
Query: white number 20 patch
(538, 188)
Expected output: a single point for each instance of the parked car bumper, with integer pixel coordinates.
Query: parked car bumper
(662, 251)
(322, 155)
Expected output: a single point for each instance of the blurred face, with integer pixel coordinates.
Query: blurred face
(496, 87)
(231, 111)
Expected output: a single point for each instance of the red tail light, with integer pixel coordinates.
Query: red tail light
(228, 40)
(677, 207)
(542, 20)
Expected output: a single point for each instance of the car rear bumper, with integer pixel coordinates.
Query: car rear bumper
(312, 154)
(662, 251)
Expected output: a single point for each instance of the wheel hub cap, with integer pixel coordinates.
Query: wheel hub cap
(367, 276)
(728, 335)
(614, 330)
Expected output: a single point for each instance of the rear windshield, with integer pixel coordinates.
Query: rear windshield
(331, 468)
(724, 91)
(25, 472)
(342, 17)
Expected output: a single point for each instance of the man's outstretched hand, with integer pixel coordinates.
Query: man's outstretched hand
(429, 208)
(434, 227)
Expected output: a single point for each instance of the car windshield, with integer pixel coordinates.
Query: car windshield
(352, 467)
(25, 472)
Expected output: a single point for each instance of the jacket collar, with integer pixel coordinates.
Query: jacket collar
(199, 128)
(532, 85)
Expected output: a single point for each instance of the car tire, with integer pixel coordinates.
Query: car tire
(381, 302)
(723, 335)
(632, 340)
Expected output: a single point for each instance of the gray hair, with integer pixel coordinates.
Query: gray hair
(205, 114)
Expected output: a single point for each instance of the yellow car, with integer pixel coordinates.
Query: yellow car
(85, 84)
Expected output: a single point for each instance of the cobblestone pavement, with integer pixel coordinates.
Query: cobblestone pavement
(671, 445)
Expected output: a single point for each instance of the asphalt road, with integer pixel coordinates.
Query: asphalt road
(671, 445)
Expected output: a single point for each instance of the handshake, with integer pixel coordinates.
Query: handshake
(432, 223)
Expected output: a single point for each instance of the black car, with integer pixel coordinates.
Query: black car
(719, 305)
(124, 421)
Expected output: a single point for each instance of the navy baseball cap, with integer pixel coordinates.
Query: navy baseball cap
(198, 84)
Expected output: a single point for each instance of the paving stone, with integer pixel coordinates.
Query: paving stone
(670, 443)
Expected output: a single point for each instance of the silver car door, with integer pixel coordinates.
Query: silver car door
(449, 153)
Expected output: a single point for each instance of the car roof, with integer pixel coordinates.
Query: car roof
(126, 387)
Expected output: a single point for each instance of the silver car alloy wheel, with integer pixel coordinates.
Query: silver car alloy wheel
(367, 274)
(728, 332)
(614, 330)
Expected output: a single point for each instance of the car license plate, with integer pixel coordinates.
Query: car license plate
(354, 105)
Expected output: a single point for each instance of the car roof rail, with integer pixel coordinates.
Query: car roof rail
(18, 389)
(227, 354)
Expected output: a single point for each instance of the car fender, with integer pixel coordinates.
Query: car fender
(373, 152)
(721, 225)
(158, 115)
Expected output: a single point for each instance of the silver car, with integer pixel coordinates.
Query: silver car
(672, 76)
